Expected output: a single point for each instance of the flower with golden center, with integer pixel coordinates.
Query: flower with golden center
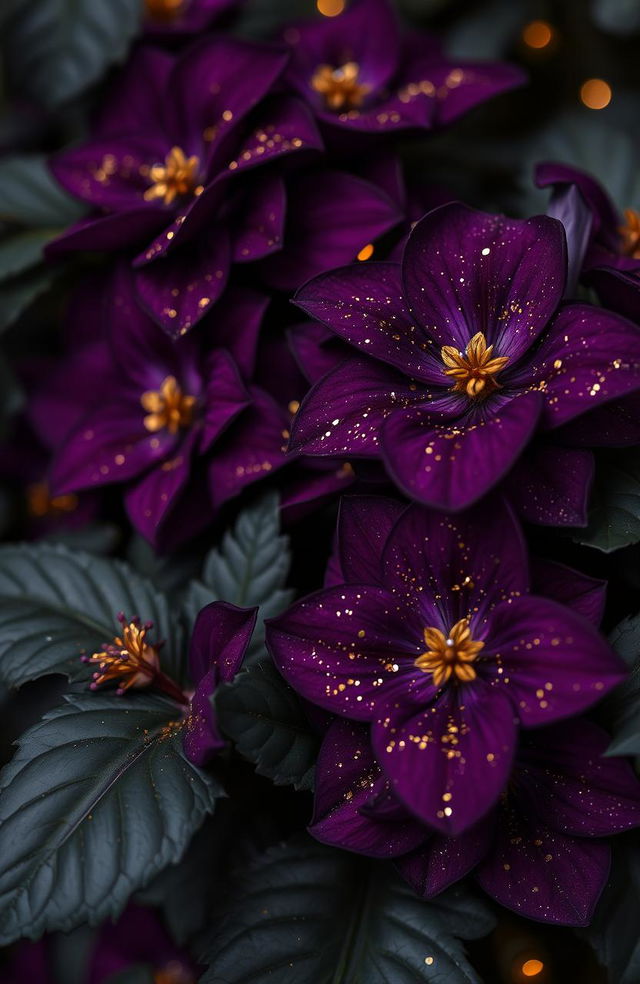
(132, 662)
(167, 407)
(630, 233)
(450, 655)
(340, 86)
(474, 371)
(177, 176)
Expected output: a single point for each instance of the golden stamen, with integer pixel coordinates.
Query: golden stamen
(474, 371)
(450, 655)
(167, 407)
(177, 176)
(340, 86)
(41, 503)
(630, 233)
(163, 11)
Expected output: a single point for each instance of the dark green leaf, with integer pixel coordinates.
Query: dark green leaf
(22, 251)
(249, 568)
(614, 518)
(308, 913)
(18, 293)
(614, 930)
(55, 604)
(98, 799)
(623, 705)
(264, 718)
(30, 195)
(140, 974)
(57, 48)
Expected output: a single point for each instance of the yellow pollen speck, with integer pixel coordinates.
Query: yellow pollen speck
(167, 407)
(450, 655)
(177, 176)
(330, 8)
(473, 371)
(340, 86)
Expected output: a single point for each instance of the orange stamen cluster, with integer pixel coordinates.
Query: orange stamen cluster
(340, 86)
(177, 176)
(474, 371)
(630, 233)
(132, 662)
(168, 408)
(450, 655)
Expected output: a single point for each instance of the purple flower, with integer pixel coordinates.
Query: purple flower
(220, 638)
(467, 353)
(177, 173)
(435, 641)
(219, 641)
(172, 420)
(607, 246)
(361, 74)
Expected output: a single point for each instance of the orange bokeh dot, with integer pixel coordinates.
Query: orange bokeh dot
(595, 93)
(330, 8)
(366, 252)
(531, 968)
(537, 34)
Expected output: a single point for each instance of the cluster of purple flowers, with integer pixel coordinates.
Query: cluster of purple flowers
(445, 370)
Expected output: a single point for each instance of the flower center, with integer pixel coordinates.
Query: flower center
(177, 176)
(132, 662)
(340, 86)
(167, 407)
(630, 233)
(163, 10)
(450, 655)
(474, 371)
(41, 503)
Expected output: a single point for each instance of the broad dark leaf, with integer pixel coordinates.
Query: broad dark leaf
(140, 974)
(30, 196)
(623, 705)
(58, 48)
(249, 568)
(22, 251)
(55, 604)
(308, 913)
(614, 518)
(264, 717)
(18, 293)
(98, 799)
(614, 930)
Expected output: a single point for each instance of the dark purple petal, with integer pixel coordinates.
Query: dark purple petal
(178, 289)
(108, 232)
(331, 217)
(443, 861)
(111, 173)
(569, 207)
(151, 499)
(619, 291)
(202, 738)
(605, 218)
(363, 304)
(589, 356)
(317, 350)
(554, 663)
(220, 638)
(542, 874)
(310, 484)
(459, 87)
(252, 449)
(466, 271)
(446, 567)
(577, 591)
(615, 424)
(235, 324)
(110, 444)
(452, 465)
(343, 413)
(564, 779)
(349, 649)
(550, 485)
(282, 126)
(135, 98)
(225, 396)
(258, 229)
(347, 778)
(448, 763)
(364, 524)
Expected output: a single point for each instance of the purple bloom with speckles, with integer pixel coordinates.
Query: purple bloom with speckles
(172, 420)
(362, 75)
(604, 245)
(467, 353)
(434, 639)
(181, 175)
(220, 638)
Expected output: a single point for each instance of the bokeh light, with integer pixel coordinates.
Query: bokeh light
(595, 93)
(366, 252)
(531, 968)
(538, 34)
(330, 8)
